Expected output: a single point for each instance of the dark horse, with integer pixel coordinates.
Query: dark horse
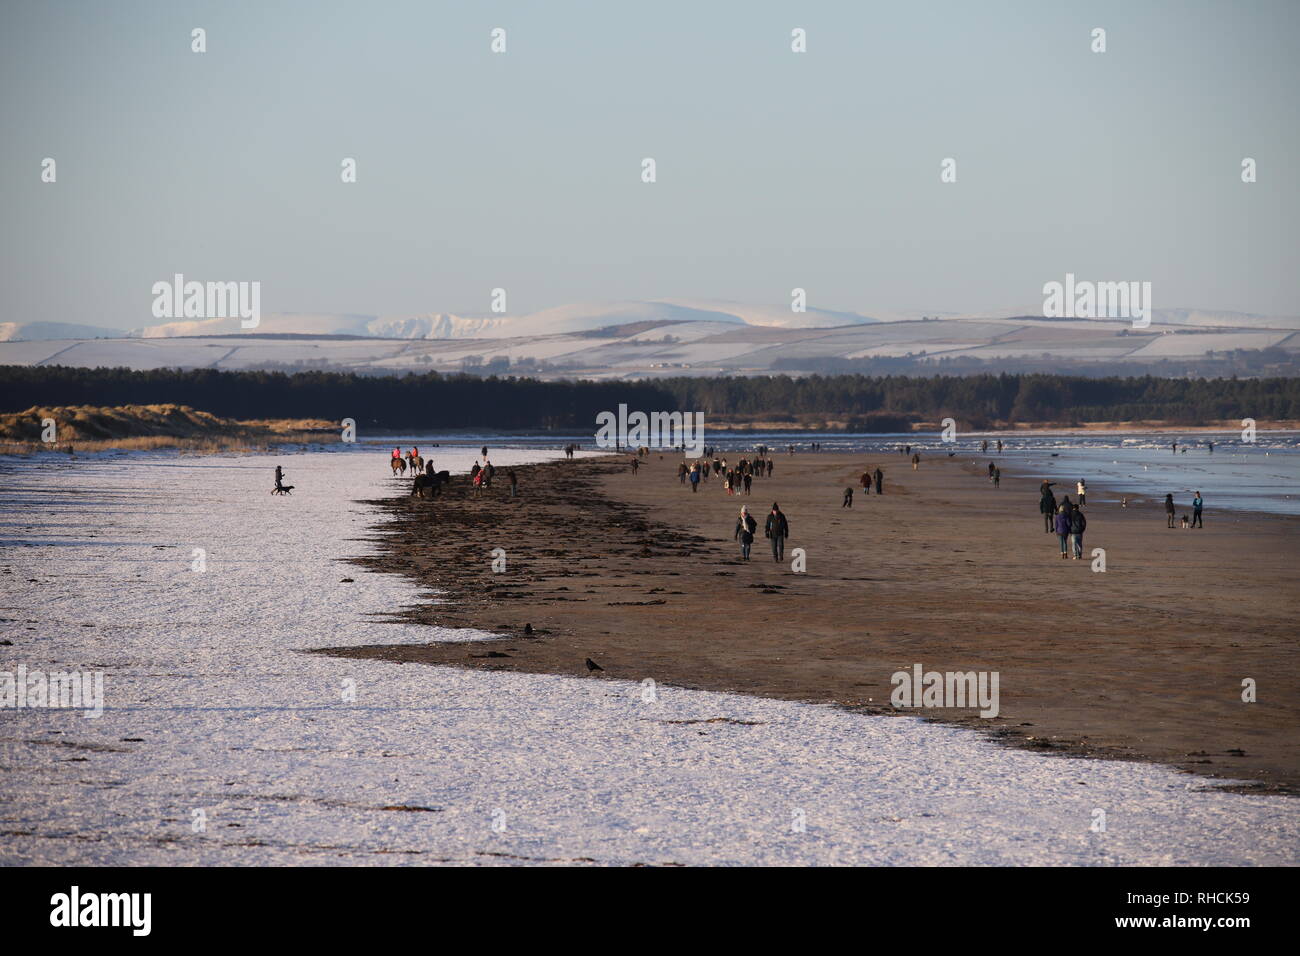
(428, 485)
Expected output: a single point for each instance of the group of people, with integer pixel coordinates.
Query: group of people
(866, 480)
(776, 530)
(736, 480)
(1196, 520)
(1066, 518)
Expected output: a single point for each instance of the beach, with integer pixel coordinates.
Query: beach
(1143, 661)
(227, 738)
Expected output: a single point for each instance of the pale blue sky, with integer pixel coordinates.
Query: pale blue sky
(522, 170)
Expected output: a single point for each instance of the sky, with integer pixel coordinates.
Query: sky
(522, 170)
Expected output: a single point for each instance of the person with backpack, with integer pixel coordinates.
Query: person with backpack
(745, 528)
(1078, 523)
(777, 529)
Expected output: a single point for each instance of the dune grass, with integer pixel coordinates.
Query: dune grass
(147, 428)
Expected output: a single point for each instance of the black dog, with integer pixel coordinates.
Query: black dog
(282, 490)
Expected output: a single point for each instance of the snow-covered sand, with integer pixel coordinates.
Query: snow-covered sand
(205, 667)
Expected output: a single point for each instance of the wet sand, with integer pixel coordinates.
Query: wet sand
(1144, 661)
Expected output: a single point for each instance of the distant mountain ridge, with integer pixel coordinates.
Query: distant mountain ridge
(585, 317)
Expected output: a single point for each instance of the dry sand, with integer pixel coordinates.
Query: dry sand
(1144, 661)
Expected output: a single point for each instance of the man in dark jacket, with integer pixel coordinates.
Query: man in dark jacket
(1047, 505)
(777, 529)
(880, 481)
(1078, 523)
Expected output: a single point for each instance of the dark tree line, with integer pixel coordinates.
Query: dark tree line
(434, 400)
(987, 399)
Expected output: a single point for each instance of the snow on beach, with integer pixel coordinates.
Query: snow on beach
(213, 714)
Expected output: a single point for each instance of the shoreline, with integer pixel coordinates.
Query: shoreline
(640, 575)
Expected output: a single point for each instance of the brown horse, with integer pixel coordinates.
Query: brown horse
(399, 467)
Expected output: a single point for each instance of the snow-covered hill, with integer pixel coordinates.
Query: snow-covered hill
(44, 331)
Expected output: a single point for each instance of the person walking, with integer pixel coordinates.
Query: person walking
(1197, 504)
(514, 483)
(745, 528)
(865, 482)
(749, 480)
(997, 477)
(1082, 489)
(636, 463)
(916, 460)
(1046, 505)
(695, 479)
(880, 482)
(1063, 531)
(777, 530)
(1169, 511)
(848, 497)
(1078, 523)
(682, 470)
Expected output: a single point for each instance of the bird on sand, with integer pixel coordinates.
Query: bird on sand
(593, 666)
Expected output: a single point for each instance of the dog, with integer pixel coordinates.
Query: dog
(1185, 522)
(282, 490)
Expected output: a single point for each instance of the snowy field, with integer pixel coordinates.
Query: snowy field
(222, 743)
